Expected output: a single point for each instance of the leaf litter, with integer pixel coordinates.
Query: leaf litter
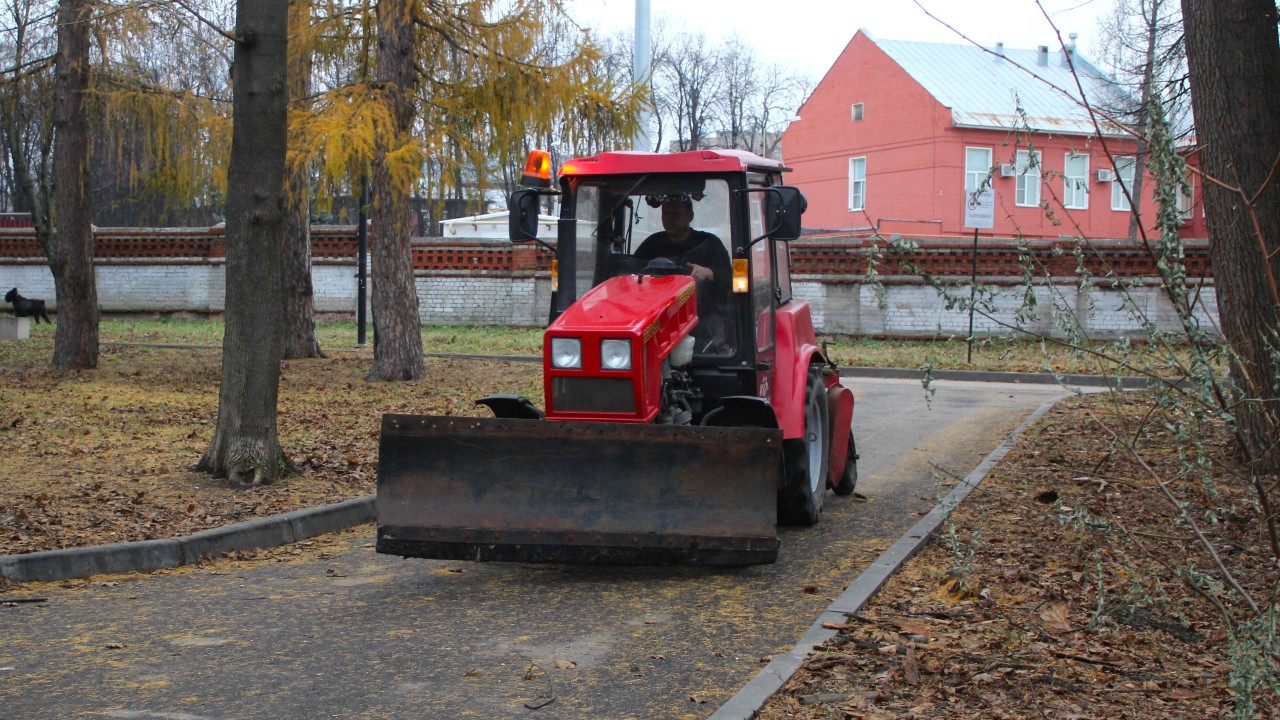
(1051, 593)
(106, 456)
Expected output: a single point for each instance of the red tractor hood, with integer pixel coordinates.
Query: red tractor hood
(630, 305)
(653, 313)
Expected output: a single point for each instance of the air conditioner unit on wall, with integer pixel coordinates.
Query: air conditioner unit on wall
(1006, 170)
(1106, 175)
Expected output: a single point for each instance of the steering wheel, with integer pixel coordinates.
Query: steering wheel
(661, 267)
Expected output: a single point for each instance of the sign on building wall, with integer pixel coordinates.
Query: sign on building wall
(980, 209)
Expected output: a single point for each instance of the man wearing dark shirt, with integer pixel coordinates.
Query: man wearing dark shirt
(706, 258)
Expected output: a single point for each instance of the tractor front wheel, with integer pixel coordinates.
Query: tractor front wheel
(800, 499)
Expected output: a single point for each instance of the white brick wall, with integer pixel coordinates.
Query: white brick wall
(471, 300)
(495, 299)
(919, 310)
(33, 280)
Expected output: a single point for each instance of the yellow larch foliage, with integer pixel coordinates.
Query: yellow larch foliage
(493, 77)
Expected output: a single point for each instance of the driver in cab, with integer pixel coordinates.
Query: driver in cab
(702, 253)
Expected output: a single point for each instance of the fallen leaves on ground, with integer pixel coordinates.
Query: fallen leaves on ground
(106, 456)
(1050, 593)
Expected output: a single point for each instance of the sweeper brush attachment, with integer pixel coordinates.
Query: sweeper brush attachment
(577, 492)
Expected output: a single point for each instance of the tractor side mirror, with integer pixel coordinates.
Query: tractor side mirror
(524, 207)
(783, 206)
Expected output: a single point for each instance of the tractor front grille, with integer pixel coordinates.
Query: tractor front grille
(579, 394)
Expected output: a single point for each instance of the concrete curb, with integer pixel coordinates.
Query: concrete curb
(149, 555)
(747, 702)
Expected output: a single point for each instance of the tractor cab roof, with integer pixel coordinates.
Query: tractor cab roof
(696, 161)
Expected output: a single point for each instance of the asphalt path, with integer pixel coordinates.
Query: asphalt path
(333, 630)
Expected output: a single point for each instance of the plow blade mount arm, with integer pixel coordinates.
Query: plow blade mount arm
(577, 492)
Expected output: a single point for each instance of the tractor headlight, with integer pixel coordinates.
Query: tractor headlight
(615, 354)
(566, 353)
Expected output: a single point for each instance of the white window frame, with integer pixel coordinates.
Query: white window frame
(1075, 185)
(976, 174)
(857, 183)
(1028, 176)
(1186, 196)
(856, 112)
(1124, 180)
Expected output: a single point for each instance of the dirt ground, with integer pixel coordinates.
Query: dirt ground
(1054, 592)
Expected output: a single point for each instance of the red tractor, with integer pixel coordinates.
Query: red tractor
(688, 406)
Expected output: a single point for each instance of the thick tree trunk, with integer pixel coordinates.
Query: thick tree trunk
(298, 301)
(1234, 62)
(246, 446)
(75, 343)
(397, 350)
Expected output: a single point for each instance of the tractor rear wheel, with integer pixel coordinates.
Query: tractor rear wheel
(848, 478)
(800, 499)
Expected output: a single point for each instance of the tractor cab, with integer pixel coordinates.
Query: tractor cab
(720, 217)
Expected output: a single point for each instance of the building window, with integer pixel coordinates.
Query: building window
(856, 112)
(1075, 193)
(858, 183)
(1028, 172)
(977, 170)
(1123, 183)
(1186, 196)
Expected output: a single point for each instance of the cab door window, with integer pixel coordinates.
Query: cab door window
(587, 242)
(782, 255)
(762, 288)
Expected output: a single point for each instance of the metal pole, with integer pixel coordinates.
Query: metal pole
(973, 291)
(362, 262)
(640, 72)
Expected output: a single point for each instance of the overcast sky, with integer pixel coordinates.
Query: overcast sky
(808, 35)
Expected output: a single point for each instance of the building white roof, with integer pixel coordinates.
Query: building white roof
(994, 88)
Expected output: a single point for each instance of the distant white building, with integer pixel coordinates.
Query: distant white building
(491, 226)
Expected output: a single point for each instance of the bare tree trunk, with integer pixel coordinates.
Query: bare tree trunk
(1152, 14)
(246, 446)
(397, 349)
(298, 301)
(1234, 61)
(75, 343)
(298, 296)
(27, 132)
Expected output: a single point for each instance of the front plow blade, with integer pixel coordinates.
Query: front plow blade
(604, 493)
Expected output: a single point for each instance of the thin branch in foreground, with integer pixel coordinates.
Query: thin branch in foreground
(1186, 517)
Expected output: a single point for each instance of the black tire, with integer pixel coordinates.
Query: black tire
(848, 478)
(800, 499)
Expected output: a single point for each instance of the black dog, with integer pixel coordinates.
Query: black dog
(23, 307)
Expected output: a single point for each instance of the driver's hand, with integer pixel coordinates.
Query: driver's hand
(700, 272)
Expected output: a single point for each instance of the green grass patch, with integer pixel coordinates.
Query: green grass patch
(941, 353)
(1012, 355)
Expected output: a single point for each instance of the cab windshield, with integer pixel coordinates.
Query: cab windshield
(671, 222)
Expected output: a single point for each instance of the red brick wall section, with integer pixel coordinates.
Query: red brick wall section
(996, 259)
(333, 242)
(839, 258)
(160, 244)
(19, 244)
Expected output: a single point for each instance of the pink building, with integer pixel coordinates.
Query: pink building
(898, 135)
